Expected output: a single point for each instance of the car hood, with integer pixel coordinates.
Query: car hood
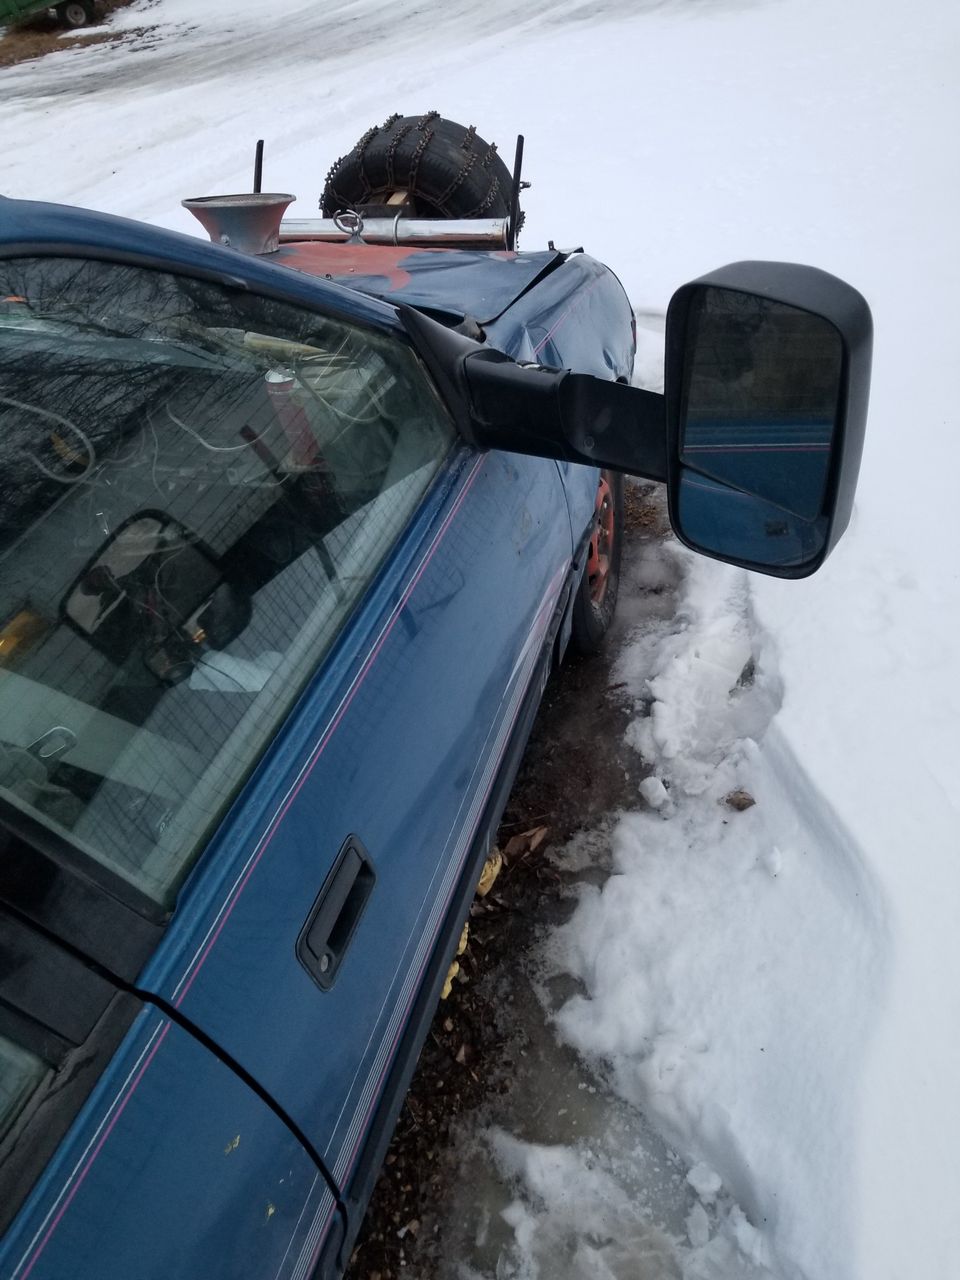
(455, 282)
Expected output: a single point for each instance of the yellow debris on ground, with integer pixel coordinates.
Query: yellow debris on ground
(491, 869)
(455, 967)
(451, 974)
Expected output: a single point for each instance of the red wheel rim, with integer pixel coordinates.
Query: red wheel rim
(601, 541)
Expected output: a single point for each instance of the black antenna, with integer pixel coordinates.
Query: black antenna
(258, 168)
(514, 230)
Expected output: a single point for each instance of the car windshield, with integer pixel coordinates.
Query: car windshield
(197, 485)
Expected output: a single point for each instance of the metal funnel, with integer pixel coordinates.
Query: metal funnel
(250, 223)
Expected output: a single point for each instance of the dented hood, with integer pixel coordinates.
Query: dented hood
(457, 282)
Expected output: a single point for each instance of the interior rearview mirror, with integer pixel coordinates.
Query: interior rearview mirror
(153, 588)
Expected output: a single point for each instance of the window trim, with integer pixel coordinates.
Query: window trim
(45, 879)
(74, 1029)
(52, 1107)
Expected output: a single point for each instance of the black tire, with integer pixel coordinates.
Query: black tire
(448, 170)
(595, 604)
(76, 13)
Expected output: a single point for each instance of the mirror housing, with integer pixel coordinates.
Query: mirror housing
(549, 413)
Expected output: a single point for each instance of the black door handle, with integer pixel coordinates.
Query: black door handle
(334, 917)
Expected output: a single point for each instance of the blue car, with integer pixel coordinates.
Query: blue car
(293, 527)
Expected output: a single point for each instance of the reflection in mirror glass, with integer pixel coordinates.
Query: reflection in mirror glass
(739, 526)
(761, 391)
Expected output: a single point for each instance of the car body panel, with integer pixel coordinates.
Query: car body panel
(219, 1188)
(577, 317)
(456, 282)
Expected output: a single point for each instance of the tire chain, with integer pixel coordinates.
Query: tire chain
(360, 148)
(485, 162)
(398, 137)
(335, 167)
(426, 137)
(444, 196)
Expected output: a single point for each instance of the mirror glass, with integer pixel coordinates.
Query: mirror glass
(740, 527)
(760, 397)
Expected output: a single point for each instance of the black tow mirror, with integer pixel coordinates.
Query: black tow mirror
(759, 432)
(767, 378)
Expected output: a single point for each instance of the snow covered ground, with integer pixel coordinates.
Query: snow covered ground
(778, 988)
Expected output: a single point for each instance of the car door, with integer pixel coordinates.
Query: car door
(272, 627)
(126, 1147)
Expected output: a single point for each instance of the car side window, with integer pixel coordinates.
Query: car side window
(20, 1073)
(197, 485)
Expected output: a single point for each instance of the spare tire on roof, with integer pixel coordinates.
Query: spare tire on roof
(446, 169)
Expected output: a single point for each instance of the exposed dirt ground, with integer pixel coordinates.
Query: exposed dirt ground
(43, 34)
(575, 774)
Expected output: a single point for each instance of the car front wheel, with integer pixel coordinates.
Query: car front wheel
(596, 600)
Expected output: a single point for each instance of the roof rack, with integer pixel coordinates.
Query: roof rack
(440, 233)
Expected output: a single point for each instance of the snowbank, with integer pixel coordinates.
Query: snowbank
(734, 965)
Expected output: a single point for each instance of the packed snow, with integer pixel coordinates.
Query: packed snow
(733, 965)
(775, 986)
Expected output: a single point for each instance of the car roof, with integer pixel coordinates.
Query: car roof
(455, 282)
(30, 228)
